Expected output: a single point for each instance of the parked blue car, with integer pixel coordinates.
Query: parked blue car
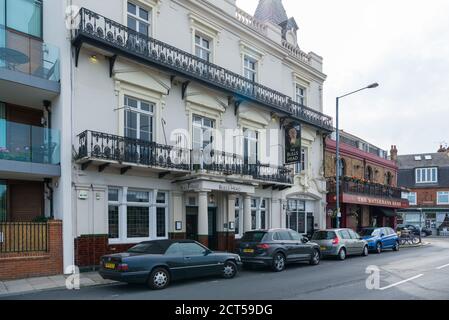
(380, 239)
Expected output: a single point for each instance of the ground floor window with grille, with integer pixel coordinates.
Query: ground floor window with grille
(137, 215)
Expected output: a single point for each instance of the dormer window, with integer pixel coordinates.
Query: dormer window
(426, 175)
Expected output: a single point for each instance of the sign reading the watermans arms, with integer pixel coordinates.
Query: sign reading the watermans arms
(293, 143)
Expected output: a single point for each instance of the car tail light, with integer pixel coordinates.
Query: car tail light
(336, 240)
(263, 246)
(122, 267)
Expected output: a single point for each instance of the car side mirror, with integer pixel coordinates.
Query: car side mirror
(382, 235)
(304, 240)
(207, 252)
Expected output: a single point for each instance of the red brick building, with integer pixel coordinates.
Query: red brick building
(368, 188)
(427, 177)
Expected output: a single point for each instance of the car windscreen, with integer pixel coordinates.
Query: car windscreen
(323, 235)
(148, 248)
(366, 232)
(253, 236)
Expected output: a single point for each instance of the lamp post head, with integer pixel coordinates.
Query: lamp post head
(372, 86)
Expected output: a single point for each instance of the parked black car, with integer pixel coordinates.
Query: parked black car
(425, 232)
(277, 247)
(157, 263)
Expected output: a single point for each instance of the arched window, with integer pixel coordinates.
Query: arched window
(389, 179)
(369, 174)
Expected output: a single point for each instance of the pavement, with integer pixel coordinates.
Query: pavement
(418, 273)
(33, 285)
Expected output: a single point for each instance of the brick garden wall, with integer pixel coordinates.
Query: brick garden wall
(36, 264)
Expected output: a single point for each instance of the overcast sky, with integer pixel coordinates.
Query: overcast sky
(403, 45)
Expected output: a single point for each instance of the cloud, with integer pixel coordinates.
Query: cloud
(401, 44)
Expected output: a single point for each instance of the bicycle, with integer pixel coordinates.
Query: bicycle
(408, 238)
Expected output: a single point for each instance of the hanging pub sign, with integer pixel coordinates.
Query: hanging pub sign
(293, 143)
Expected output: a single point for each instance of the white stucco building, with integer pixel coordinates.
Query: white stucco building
(172, 117)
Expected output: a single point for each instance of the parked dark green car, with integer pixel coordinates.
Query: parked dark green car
(157, 263)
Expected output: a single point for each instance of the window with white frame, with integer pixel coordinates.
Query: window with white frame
(250, 68)
(426, 175)
(302, 166)
(251, 146)
(411, 197)
(203, 47)
(258, 213)
(300, 94)
(139, 19)
(202, 132)
(138, 119)
(136, 215)
(443, 197)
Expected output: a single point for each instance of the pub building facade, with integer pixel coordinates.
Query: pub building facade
(181, 125)
(368, 185)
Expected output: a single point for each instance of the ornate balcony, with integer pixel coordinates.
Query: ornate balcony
(105, 149)
(99, 31)
(359, 187)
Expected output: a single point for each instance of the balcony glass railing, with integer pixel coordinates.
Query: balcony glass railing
(29, 55)
(25, 143)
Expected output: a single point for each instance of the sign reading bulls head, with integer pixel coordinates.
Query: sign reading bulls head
(293, 143)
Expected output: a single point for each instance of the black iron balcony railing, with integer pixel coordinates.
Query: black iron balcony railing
(102, 146)
(100, 31)
(358, 187)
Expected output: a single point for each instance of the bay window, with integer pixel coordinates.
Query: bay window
(137, 215)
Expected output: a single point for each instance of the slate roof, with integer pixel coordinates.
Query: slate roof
(438, 160)
(271, 10)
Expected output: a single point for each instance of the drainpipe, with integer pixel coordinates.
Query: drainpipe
(50, 197)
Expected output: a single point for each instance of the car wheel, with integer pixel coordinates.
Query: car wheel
(379, 248)
(396, 246)
(365, 251)
(278, 262)
(229, 270)
(342, 254)
(159, 279)
(315, 260)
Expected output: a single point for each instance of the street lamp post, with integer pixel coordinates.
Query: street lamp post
(371, 86)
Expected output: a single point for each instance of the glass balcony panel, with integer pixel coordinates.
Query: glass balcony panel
(28, 55)
(25, 143)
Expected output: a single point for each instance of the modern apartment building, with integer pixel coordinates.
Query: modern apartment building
(369, 196)
(173, 119)
(427, 178)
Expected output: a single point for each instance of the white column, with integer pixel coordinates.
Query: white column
(247, 213)
(231, 210)
(203, 217)
(276, 213)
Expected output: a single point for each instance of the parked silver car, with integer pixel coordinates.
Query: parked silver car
(340, 243)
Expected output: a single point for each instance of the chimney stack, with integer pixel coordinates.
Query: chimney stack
(442, 149)
(394, 153)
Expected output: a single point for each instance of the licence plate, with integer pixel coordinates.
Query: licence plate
(248, 250)
(323, 248)
(109, 266)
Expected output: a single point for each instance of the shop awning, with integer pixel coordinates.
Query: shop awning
(387, 212)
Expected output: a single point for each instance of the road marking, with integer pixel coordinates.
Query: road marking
(442, 267)
(401, 282)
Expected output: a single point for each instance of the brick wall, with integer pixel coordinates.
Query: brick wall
(427, 197)
(39, 264)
